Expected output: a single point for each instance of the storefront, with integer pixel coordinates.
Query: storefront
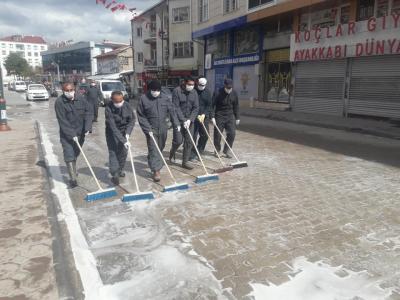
(351, 68)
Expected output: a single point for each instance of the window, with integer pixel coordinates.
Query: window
(230, 5)
(140, 57)
(11, 46)
(246, 41)
(42, 48)
(35, 47)
(28, 47)
(20, 47)
(218, 46)
(139, 31)
(256, 3)
(203, 10)
(345, 14)
(366, 9)
(323, 18)
(36, 54)
(180, 14)
(3, 45)
(382, 8)
(4, 52)
(29, 53)
(183, 49)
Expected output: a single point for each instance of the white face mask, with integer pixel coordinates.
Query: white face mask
(228, 91)
(189, 88)
(155, 94)
(69, 95)
(119, 105)
(201, 87)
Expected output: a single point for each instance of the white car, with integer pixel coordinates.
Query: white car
(107, 86)
(37, 92)
(19, 86)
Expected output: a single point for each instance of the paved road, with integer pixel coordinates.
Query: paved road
(316, 214)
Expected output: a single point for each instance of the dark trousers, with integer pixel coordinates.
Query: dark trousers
(200, 135)
(117, 155)
(180, 138)
(70, 149)
(228, 124)
(153, 157)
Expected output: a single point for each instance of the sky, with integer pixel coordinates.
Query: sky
(63, 20)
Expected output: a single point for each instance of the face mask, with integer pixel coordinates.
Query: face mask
(189, 88)
(119, 105)
(201, 87)
(69, 95)
(228, 91)
(93, 85)
(155, 94)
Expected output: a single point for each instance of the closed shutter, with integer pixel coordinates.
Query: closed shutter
(319, 87)
(375, 86)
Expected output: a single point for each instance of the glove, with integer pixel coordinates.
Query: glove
(75, 139)
(213, 121)
(127, 137)
(127, 145)
(237, 122)
(201, 118)
(178, 128)
(87, 133)
(186, 124)
(151, 134)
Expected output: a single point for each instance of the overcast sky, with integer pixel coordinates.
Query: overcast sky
(59, 20)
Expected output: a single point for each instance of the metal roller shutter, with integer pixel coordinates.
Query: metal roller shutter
(375, 86)
(319, 87)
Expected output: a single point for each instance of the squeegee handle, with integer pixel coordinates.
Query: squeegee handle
(197, 150)
(133, 169)
(226, 143)
(162, 157)
(212, 143)
(88, 164)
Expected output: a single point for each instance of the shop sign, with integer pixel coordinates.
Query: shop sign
(254, 58)
(376, 36)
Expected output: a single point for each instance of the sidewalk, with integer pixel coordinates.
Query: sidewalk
(26, 258)
(382, 128)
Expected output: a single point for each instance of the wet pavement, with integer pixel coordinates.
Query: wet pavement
(296, 212)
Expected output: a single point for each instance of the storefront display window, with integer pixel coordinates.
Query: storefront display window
(345, 14)
(246, 41)
(278, 76)
(218, 46)
(382, 8)
(323, 18)
(396, 7)
(366, 9)
(304, 20)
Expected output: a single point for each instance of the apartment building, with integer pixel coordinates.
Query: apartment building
(163, 44)
(29, 47)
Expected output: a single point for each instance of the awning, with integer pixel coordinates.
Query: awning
(113, 76)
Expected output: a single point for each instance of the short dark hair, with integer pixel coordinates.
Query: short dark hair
(64, 84)
(116, 93)
(189, 78)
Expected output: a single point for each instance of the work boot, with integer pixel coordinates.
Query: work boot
(115, 179)
(121, 174)
(187, 166)
(227, 155)
(72, 175)
(156, 176)
(172, 157)
(216, 154)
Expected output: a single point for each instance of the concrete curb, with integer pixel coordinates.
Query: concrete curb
(324, 125)
(67, 277)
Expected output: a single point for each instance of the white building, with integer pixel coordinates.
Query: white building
(162, 40)
(29, 47)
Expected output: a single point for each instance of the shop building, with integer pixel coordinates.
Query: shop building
(163, 45)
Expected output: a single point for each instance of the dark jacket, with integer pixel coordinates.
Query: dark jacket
(186, 104)
(119, 121)
(205, 102)
(153, 113)
(74, 116)
(225, 104)
(94, 95)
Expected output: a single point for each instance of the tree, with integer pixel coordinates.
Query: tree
(17, 65)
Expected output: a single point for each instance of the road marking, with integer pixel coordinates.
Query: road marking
(85, 261)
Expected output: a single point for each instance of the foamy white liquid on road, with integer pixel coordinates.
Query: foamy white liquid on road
(319, 281)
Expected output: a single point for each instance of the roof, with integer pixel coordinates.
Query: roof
(29, 39)
(113, 53)
(143, 13)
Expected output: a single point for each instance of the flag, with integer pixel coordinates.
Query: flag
(119, 7)
(111, 3)
(101, 1)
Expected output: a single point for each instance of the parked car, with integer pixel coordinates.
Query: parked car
(19, 86)
(37, 92)
(107, 86)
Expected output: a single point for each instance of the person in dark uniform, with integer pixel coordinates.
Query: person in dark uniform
(205, 107)
(153, 109)
(75, 120)
(225, 115)
(94, 97)
(186, 103)
(120, 121)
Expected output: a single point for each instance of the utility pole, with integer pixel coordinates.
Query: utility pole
(132, 10)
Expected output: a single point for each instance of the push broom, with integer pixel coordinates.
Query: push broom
(176, 186)
(138, 195)
(207, 176)
(238, 164)
(224, 167)
(101, 193)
